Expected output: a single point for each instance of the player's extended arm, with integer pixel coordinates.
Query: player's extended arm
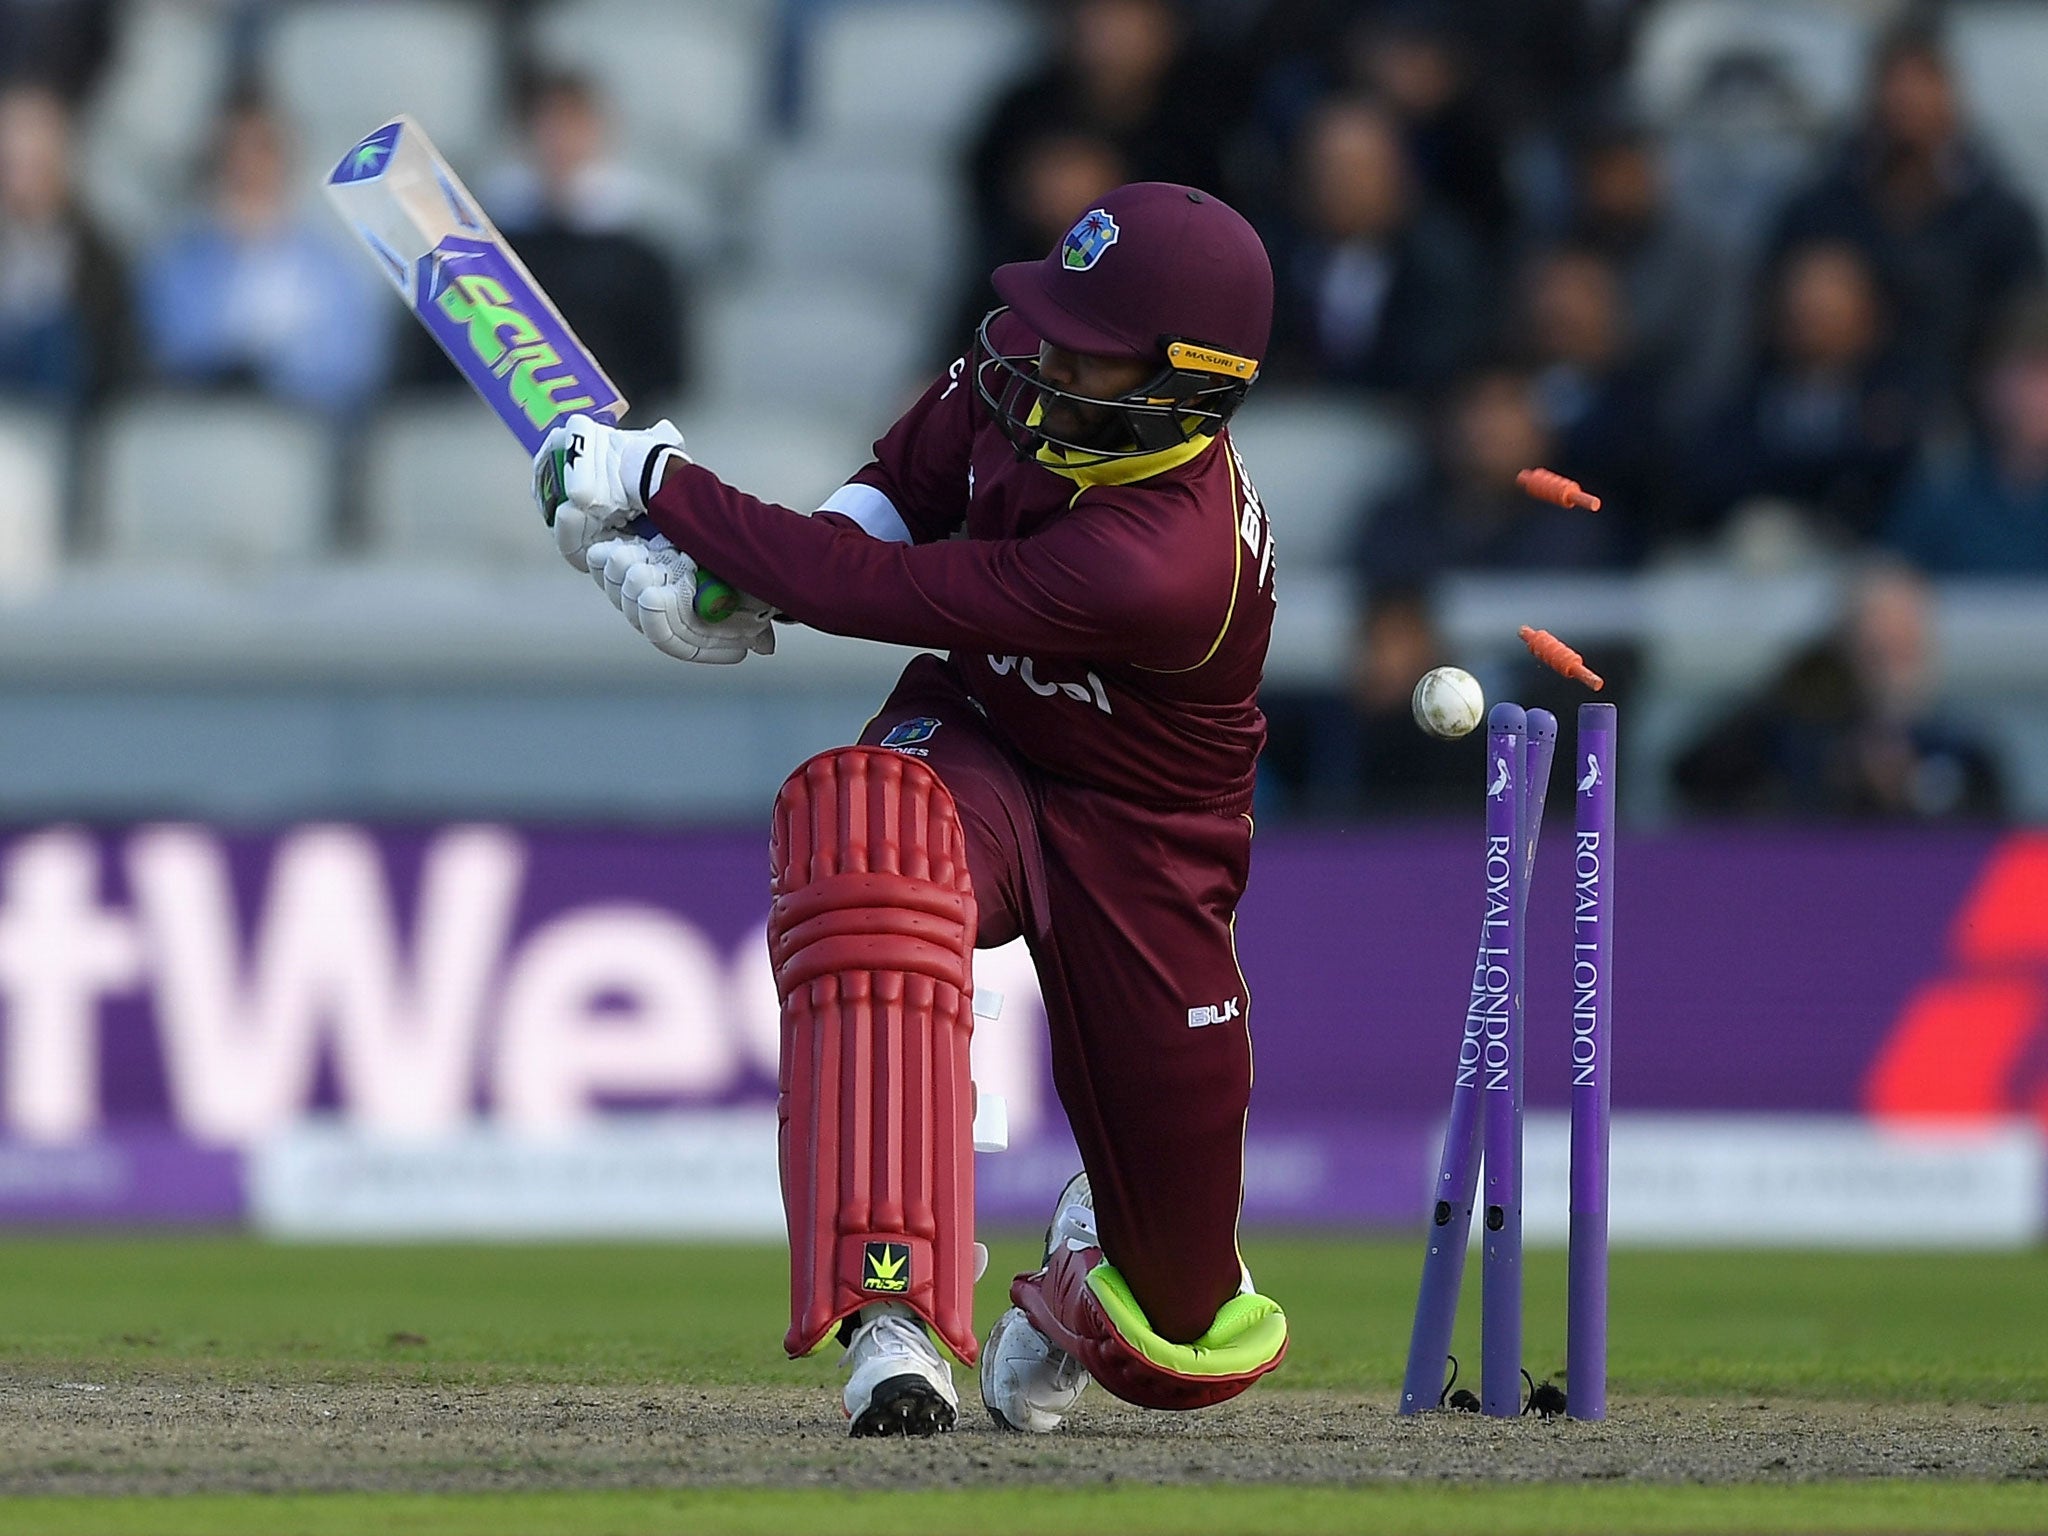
(919, 470)
(1094, 584)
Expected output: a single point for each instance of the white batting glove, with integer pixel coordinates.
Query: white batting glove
(612, 557)
(655, 585)
(590, 479)
(665, 600)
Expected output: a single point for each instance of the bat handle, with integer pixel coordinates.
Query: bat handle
(715, 599)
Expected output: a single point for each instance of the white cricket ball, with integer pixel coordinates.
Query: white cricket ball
(1448, 702)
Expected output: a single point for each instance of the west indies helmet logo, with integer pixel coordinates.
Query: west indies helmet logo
(1087, 240)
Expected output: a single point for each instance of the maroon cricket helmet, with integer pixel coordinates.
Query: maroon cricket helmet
(1156, 271)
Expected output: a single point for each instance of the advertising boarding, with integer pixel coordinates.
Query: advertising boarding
(340, 1031)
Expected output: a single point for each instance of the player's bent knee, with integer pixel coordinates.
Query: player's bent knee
(871, 937)
(1084, 1306)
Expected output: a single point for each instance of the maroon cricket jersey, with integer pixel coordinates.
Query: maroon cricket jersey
(1111, 622)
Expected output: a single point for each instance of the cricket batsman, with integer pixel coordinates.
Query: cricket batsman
(1063, 520)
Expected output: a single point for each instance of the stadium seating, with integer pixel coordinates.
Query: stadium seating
(32, 480)
(443, 480)
(810, 149)
(909, 70)
(149, 118)
(1822, 48)
(341, 68)
(225, 489)
(690, 80)
(1999, 50)
(893, 220)
(826, 345)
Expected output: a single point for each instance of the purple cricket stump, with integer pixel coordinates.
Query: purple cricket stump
(1500, 1065)
(1541, 737)
(1457, 1178)
(1443, 1263)
(1450, 1221)
(1591, 1063)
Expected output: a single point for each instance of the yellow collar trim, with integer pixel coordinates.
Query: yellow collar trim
(1118, 471)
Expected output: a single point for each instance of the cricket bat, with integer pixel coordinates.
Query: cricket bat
(465, 284)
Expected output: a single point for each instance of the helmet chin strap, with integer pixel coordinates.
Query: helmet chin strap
(1197, 391)
(1127, 469)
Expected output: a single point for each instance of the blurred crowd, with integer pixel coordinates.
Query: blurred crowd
(1748, 322)
(1467, 212)
(1757, 338)
(254, 289)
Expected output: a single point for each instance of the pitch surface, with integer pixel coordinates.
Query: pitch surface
(185, 1435)
(186, 1367)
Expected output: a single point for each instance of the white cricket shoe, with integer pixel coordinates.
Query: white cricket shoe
(898, 1383)
(1027, 1382)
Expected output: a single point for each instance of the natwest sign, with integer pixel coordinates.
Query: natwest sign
(340, 1030)
(410, 982)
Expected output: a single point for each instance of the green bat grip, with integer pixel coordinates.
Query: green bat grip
(715, 600)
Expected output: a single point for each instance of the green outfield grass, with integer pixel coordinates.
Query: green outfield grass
(1874, 1507)
(1886, 1327)
(1961, 1329)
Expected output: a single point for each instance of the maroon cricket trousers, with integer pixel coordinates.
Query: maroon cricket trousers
(1127, 911)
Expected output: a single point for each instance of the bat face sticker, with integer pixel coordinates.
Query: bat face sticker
(367, 160)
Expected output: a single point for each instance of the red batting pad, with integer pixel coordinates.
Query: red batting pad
(871, 934)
